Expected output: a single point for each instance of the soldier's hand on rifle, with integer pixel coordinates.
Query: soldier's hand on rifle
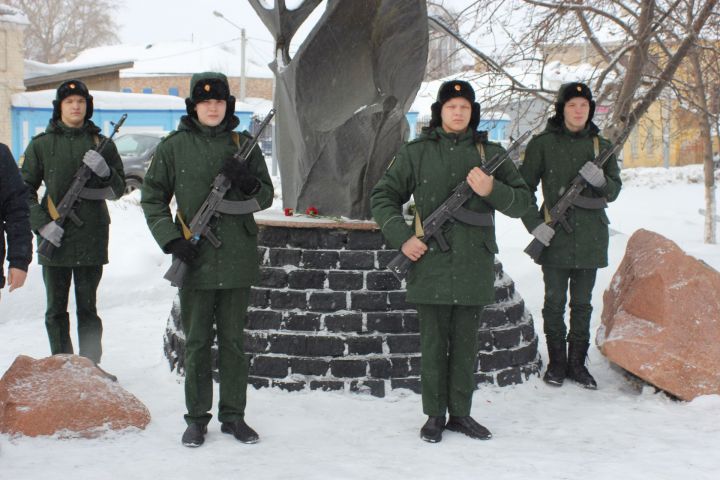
(183, 249)
(52, 232)
(481, 183)
(414, 248)
(593, 175)
(544, 233)
(97, 163)
(240, 176)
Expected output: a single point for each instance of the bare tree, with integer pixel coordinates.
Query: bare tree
(60, 29)
(637, 48)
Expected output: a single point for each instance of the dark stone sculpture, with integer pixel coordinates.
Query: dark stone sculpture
(342, 99)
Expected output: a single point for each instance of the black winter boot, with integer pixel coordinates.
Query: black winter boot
(432, 430)
(577, 351)
(241, 431)
(194, 435)
(469, 427)
(557, 365)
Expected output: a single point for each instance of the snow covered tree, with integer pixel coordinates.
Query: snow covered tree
(60, 29)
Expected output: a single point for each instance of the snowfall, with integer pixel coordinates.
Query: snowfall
(620, 431)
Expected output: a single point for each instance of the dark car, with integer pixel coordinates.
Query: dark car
(136, 151)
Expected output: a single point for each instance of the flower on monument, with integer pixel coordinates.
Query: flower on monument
(311, 210)
(288, 212)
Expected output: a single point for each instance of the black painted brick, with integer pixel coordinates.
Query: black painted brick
(415, 365)
(325, 346)
(386, 322)
(309, 366)
(364, 345)
(357, 260)
(259, 297)
(306, 279)
(273, 236)
(344, 322)
(326, 385)
(261, 251)
(506, 338)
(360, 240)
(376, 388)
(485, 341)
(400, 366)
(511, 376)
(306, 238)
(498, 360)
(384, 257)
(344, 368)
(398, 302)
(263, 320)
(327, 301)
(369, 301)
(493, 316)
(382, 281)
(273, 277)
(258, 382)
(286, 300)
(321, 259)
(484, 379)
(265, 366)
(290, 386)
(280, 257)
(528, 332)
(288, 344)
(525, 354)
(333, 240)
(409, 343)
(380, 368)
(411, 322)
(410, 383)
(303, 321)
(515, 311)
(345, 280)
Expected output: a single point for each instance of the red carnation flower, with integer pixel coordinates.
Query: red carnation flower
(289, 212)
(311, 211)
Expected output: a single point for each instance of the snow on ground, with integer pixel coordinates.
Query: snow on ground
(540, 432)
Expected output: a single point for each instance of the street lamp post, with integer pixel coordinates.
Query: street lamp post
(243, 43)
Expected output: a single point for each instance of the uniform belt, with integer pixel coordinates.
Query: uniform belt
(106, 193)
(590, 203)
(475, 219)
(238, 207)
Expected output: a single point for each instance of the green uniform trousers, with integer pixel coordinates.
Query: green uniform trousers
(227, 310)
(582, 281)
(448, 344)
(57, 320)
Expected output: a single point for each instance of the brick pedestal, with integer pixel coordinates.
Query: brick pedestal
(328, 315)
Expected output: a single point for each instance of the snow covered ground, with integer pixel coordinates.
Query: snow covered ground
(539, 432)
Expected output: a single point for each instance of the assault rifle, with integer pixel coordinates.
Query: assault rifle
(214, 205)
(77, 192)
(451, 209)
(558, 213)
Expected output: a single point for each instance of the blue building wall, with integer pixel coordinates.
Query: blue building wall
(28, 122)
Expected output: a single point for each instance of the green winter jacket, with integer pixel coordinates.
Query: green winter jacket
(185, 164)
(429, 168)
(53, 157)
(555, 157)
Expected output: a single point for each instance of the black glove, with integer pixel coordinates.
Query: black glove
(240, 176)
(183, 249)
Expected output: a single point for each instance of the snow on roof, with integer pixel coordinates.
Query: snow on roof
(179, 58)
(123, 101)
(12, 15)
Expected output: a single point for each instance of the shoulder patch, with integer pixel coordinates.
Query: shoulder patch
(166, 137)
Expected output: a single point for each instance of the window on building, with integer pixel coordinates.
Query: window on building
(173, 91)
(147, 90)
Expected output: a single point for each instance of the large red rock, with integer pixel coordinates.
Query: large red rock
(661, 317)
(65, 394)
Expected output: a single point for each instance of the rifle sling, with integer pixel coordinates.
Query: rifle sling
(475, 219)
(238, 207)
(590, 203)
(106, 193)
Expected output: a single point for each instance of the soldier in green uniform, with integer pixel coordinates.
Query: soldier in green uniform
(216, 288)
(565, 148)
(53, 158)
(449, 287)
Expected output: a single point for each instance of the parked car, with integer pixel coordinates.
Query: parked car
(136, 151)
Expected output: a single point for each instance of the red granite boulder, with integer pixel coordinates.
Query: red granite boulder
(661, 317)
(67, 395)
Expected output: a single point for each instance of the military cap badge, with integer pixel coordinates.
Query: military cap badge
(206, 87)
(458, 87)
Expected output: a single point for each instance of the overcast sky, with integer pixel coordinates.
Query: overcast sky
(148, 21)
